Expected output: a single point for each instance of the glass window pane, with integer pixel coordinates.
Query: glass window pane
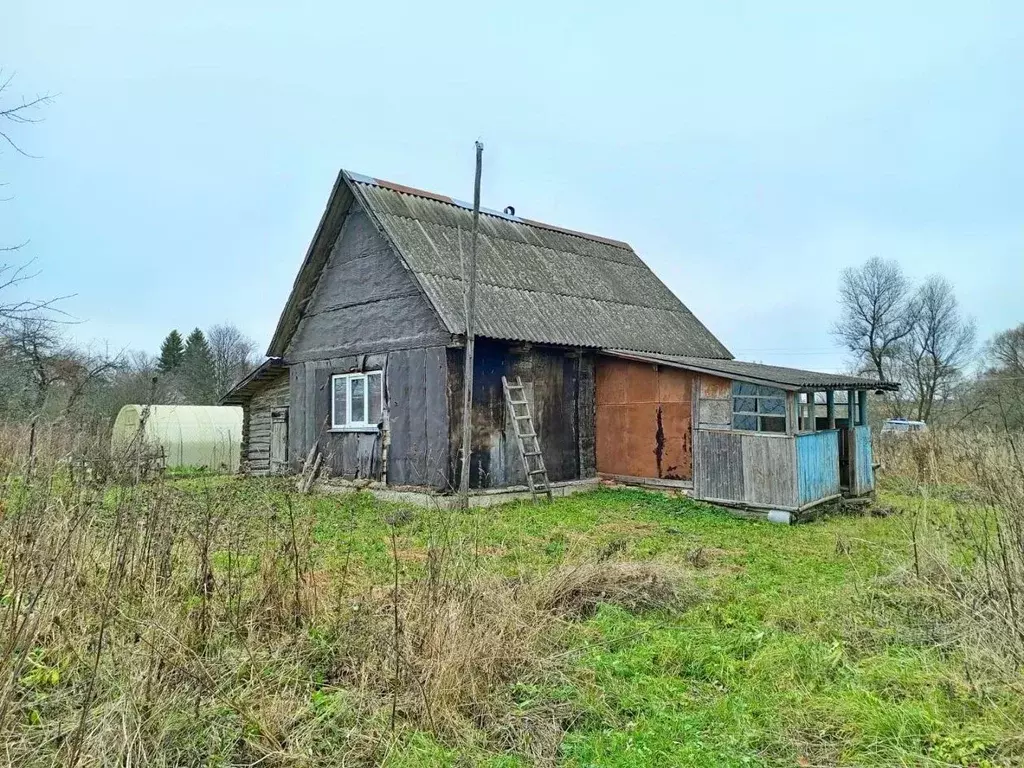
(744, 404)
(745, 422)
(340, 402)
(358, 403)
(373, 408)
(772, 406)
(773, 423)
(770, 392)
(740, 388)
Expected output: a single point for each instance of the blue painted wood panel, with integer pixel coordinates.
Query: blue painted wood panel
(817, 461)
(864, 472)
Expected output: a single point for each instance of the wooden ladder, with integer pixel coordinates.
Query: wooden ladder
(526, 437)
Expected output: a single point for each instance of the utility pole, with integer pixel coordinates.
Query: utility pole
(469, 283)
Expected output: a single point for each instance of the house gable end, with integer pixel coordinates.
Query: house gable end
(364, 299)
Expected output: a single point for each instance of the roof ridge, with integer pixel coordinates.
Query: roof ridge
(394, 186)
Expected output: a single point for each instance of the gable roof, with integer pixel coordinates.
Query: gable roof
(535, 282)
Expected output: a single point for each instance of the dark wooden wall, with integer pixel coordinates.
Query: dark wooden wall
(416, 418)
(644, 420)
(273, 392)
(559, 387)
(366, 313)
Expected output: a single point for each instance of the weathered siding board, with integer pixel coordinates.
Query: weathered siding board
(817, 458)
(745, 468)
(364, 300)
(719, 465)
(769, 471)
(644, 420)
(418, 418)
(548, 375)
(257, 423)
(714, 406)
(864, 471)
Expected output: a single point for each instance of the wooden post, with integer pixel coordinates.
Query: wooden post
(792, 414)
(469, 280)
(812, 413)
(862, 403)
(851, 408)
(830, 408)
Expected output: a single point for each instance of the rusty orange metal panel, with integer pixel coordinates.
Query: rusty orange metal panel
(644, 420)
(642, 384)
(676, 459)
(675, 386)
(610, 381)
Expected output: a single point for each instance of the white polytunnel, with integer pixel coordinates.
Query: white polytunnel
(186, 435)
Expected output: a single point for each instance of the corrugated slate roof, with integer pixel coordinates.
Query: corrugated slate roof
(536, 282)
(786, 378)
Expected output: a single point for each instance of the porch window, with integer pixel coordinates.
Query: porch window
(356, 401)
(758, 409)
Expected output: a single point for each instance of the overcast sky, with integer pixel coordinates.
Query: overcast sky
(748, 151)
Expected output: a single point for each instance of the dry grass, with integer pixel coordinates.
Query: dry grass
(153, 625)
(968, 534)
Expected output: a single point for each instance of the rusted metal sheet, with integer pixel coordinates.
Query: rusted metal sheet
(644, 420)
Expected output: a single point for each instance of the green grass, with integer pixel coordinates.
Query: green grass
(789, 661)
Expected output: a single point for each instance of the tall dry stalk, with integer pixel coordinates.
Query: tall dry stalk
(970, 544)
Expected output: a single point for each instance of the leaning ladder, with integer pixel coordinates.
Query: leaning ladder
(526, 437)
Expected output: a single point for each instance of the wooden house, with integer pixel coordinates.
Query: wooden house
(367, 362)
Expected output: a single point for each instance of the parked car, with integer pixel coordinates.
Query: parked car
(903, 425)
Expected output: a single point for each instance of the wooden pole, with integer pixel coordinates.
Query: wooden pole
(830, 408)
(812, 413)
(469, 281)
(862, 403)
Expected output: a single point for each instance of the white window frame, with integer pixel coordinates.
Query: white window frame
(353, 425)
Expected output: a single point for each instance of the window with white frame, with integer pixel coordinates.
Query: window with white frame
(356, 400)
(758, 409)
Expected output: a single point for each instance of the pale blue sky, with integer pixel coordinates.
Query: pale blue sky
(748, 151)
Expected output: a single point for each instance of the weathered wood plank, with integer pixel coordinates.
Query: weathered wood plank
(769, 470)
(721, 465)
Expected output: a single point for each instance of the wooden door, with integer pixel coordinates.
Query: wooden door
(279, 441)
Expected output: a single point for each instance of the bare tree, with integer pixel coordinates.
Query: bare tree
(14, 113)
(45, 372)
(940, 345)
(876, 314)
(234, 355)
(1002, 382)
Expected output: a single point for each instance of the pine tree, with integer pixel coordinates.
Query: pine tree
(198, 370)
(172, 352)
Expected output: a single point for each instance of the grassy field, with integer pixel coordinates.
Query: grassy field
(796, 655)
(232, 622)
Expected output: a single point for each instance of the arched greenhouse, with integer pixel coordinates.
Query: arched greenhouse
(185, 435)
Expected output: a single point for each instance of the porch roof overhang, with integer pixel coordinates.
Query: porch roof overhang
(243, 391)
(790, 379)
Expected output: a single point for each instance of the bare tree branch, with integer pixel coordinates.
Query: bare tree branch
(19, 113)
